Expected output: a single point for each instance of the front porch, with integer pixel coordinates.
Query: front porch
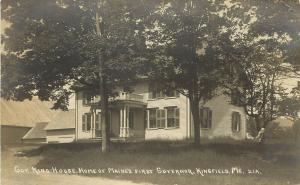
(127, 119)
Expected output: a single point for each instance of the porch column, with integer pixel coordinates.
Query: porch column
(121, 122)
(127, 121)
(124, 121)
(93, 123)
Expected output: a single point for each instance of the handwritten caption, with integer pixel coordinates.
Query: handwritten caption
(130, 171)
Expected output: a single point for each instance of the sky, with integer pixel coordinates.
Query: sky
(4, 24)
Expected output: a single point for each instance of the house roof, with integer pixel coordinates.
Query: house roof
(63, 120)
(36, 132)
(26, 113)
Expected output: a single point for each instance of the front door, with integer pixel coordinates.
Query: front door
(98, 132)
(114, 123)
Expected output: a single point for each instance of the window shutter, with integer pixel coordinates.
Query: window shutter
(205, 118)
(84, 122)
(88, 121)
(232, 121)
(201, 117)
(152, 118)
(239, 122)
(163, 118)
(209, 118)
(177, 117)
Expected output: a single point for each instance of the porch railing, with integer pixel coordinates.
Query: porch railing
(95, 99)
(122, 96)
(130, 96)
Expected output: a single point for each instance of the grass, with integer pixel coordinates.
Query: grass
(279, 163)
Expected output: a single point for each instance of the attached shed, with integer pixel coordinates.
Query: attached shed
(36, 134)
(62, 128)
(17, 118)
(12, 134)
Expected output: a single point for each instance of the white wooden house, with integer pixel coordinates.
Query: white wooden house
(147, 113)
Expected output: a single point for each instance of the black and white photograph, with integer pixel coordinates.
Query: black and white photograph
(150, 92)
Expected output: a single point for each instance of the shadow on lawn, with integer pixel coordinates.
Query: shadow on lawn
(268, 157)
(235, 148)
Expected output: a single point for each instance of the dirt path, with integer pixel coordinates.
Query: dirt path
(12, 174)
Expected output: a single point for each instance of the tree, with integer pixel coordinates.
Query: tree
(261, 57)
(55, 47)
(290, 104)
(187, 46)
(290, 108)
(257, 84)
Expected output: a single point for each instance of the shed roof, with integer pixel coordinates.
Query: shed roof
(36, 132)
(26, 113)
(63, 120)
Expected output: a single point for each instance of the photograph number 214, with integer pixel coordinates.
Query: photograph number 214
(150, 92)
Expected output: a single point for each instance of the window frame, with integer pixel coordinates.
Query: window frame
(161, 119)
(161, 116)
(236, 120)
(158, 93)
(86, 99)
(176, 117)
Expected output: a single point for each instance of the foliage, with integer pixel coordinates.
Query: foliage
(261, 57)
(54, 48)
(187, 46)
(290, 105)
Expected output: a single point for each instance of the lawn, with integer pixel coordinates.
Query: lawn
(170, 163)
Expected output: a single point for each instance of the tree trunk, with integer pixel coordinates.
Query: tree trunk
(261, 128)
(296, 128)
(105, 130)
(257, 122)
(104, 118)
(195, 112)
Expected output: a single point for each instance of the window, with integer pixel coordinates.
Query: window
(131, 119)
(160, 118)
(98, 121)
(164, 118)
(235, 97)
(236, 122)
(171, 93)
(159, 94)
(205, 117)
(153, 91)
(86, 99)
(172, 117)
(157, 91)
(152, 118)
(86, 122)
